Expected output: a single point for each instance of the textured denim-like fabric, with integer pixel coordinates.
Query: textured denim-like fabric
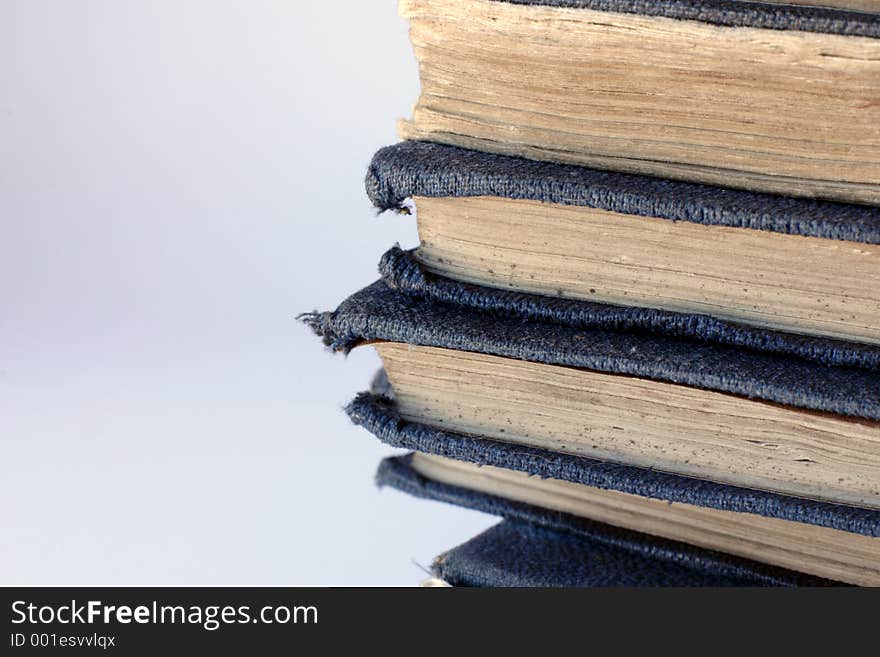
(734, 13)
(515, 554)
(401, 271)
(381, 313)
(397, 473)
(426, 169)
(379, 416)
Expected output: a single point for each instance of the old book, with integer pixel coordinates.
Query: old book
(514, 554)
(507, 223)
(735, 416)
(539, 546)
(775, 97)
(832, 541)
(664, 426)
(829, 553)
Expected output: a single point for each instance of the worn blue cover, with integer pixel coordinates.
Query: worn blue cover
(378, 415)
(379, 312)
(400, 270)
(651, 560)
(515, 554)
(415, 168)
(735, 13)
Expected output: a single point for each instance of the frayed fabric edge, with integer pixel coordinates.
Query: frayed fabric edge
(400, 270)
(379, 416)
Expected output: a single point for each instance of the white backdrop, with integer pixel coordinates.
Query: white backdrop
(178, 179)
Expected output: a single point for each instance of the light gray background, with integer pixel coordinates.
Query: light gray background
(178, 179)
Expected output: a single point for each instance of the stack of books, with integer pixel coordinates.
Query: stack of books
(643, 322)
